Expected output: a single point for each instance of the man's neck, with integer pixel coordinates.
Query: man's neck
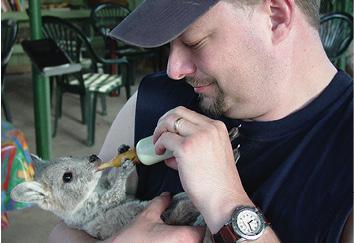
(313, 73)
(307, 75)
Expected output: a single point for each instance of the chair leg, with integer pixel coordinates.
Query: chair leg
(132, 71)
(130, 80)
(127, 90)
(51, 87)
(103, 104)
(5, 107)
(83, 105)
(60, 99)
(58, 96)
(91, 117)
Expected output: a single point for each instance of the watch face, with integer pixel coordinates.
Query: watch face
(248, 223)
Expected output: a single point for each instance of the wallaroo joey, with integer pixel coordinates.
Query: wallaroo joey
(94, 201)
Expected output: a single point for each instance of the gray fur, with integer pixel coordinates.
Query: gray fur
(95, 202)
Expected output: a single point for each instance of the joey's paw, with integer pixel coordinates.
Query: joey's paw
(93, 158)
(99, 236)
(199, 221)
(127, 164)
(127, 167)
(181, 211)
(123, 148)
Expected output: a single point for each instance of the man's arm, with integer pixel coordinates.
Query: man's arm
(121, 131)
(62, 233)
(205, 162)
(147, 227)
(347, 235)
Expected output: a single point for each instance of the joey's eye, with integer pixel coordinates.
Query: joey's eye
(67, 177)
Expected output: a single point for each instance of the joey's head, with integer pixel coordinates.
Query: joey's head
(60, 184)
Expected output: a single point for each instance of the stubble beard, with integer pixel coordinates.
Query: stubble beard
(210, 105)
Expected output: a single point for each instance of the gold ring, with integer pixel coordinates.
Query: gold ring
(176, 124)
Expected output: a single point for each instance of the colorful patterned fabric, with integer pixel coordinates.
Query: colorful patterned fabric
(16, 167)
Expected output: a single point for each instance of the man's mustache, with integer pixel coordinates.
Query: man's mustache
(199, 82)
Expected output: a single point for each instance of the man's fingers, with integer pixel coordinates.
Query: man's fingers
(185, 128)
(170, 125)
(166, 123)
(198, 233)
(186, 113)
(194, 233)
(157, 206)
(167, 141)
(172, 163)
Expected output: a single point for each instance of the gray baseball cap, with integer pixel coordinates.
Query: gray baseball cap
(156, 22)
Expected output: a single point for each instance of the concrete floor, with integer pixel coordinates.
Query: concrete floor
(33, 225)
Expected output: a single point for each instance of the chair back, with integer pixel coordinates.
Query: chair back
(67, 36)
(106, 16)
(9, 29)
(336, 32)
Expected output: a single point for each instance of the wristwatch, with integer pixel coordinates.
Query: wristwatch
(247, 223)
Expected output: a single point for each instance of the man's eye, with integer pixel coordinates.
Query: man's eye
(194, 45)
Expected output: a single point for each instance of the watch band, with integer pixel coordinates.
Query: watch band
(230, 233)
(225, 235)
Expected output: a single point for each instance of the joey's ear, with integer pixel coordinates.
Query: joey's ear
(281, 15)
(38, 164)
(28, 192)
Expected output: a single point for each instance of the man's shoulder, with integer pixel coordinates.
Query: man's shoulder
(155, 76)
(157, 94)
(343, 82)
(341, 75)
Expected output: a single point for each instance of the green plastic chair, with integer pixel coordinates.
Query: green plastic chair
(90, 84)
(105, 17)
(336, 32)
(9, 29)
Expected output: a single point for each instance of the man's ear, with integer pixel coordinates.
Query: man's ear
(281, 14)
(38, 164)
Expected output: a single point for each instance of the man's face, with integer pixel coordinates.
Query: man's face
(224, 55)
(212, 103)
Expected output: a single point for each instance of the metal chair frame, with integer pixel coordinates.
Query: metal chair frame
(336, 32)
(106, 16)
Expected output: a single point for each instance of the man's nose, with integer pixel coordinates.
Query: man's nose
(180, 62)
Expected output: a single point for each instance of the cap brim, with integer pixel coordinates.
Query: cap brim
(157, 22)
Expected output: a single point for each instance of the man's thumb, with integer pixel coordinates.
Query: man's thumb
(158, 205)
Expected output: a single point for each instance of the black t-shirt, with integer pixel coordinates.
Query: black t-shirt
(298, 170)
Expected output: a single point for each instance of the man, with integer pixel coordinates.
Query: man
(258, 67)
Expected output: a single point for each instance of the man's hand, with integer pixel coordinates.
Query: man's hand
(148, 226)
(204, 158)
